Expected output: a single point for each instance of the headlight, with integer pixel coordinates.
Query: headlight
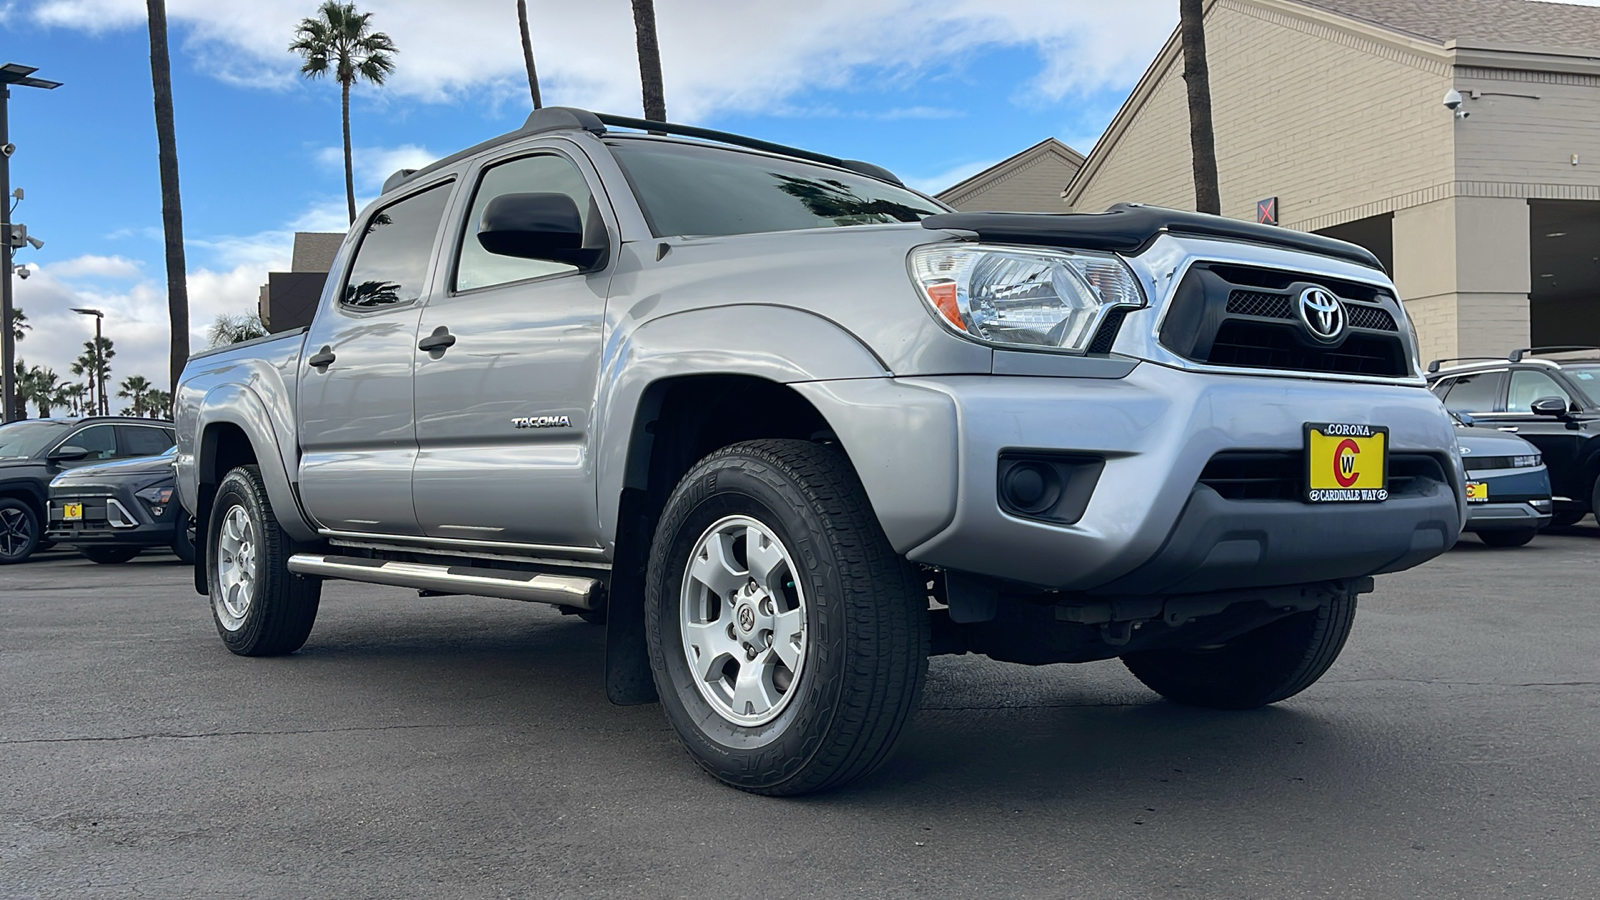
(156, 498)
(1526, 462)
(1043, 299)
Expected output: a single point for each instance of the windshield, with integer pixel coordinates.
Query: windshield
(1585, 378)
(27, 438)
(693, 190)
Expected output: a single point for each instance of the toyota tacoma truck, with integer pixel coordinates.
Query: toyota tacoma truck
(788, 428)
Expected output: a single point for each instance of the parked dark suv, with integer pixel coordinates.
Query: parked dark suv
(1550, 397)
(34, 451)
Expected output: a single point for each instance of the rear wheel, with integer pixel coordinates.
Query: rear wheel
(1271, 663)
(19, 531)
(260, 608)
(109, 555)
(1509, 537)
(788, 641)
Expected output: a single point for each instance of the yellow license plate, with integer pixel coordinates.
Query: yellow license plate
(1347, 463)
(1477, 492)
(72, 512)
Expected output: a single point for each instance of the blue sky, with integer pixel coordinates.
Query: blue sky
(934, 93)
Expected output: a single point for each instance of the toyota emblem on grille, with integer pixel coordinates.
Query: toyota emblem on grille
(1322, 313)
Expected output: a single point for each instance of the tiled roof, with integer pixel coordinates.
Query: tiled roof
(1530, 22)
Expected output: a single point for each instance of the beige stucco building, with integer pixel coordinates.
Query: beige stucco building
(1027, 182)
(1490, 223)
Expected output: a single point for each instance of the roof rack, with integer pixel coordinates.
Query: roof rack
(1517, 355)
(1438, 363)
(566, 118)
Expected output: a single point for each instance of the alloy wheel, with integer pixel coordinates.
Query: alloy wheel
(236, 568)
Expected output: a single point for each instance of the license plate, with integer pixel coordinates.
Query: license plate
(1477, 492)
(72, 512)
(1347, 463)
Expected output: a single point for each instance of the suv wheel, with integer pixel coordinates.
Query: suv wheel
(259, 606)
(182, 544)
(788, 641)
(19, 531)
(1508, 538)
(109, 555)
(1271, 663)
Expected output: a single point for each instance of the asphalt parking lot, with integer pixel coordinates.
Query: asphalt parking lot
(463, 747)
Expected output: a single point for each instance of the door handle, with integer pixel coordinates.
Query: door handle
(438, 342)
(323, 358)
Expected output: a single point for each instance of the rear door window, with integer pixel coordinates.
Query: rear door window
(143, 440)
(391, 265)
(1475, 393)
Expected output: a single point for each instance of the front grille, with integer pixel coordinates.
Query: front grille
(1229, 315)
(1280, 474)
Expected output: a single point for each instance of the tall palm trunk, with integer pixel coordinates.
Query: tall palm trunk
(1202, 139)
(349, 169)
(527, 52)
(171, 202)
(644, 27)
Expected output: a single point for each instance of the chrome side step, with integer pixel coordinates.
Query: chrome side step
(561, 590)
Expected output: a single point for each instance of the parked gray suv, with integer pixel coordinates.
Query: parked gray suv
(788, 428)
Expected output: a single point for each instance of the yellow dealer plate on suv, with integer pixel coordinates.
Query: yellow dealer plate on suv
(72, 512)
(1347, 463)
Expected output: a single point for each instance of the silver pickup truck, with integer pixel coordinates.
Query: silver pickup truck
(788, 428)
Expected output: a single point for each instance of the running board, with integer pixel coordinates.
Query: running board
(561, 590)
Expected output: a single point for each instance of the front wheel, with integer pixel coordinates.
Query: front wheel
(260, 608)
(182, 543)
(1271, 663)
(788, 641)
(19, 531)
(1509, 537)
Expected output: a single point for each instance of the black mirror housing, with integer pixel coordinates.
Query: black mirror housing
(68, 453)
(537, 226)
(1549, 406)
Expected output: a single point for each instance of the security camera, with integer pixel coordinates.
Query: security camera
(8, 149)
(1452, 100)
(23, 272)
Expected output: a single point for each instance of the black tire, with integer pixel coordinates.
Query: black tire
(278, 607)
(19, 531)
(109, 556)
(182, 545)
(865, 631)
(1271, 663)
(1566, 519)
(1509, 537)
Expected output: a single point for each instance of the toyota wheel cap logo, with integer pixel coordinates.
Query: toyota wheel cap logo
(1322, 313)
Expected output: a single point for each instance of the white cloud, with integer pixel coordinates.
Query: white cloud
(94, 266)
(372, 165)
(718, 55)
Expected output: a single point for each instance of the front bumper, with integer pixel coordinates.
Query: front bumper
(1150, 526)
(134, 523)
(1518, 499)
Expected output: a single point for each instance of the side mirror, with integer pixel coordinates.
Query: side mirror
(67, 453)
(537, 226)
(1549, 406)
(1464, 418)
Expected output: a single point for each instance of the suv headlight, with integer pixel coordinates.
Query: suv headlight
(1008, 296)
(156, 498)
(1526, 462)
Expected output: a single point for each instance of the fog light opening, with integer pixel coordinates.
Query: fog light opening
(1032, 487)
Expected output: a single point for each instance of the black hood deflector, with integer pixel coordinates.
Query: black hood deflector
(1127, 228)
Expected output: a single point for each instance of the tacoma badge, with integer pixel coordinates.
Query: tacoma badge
(542, 422)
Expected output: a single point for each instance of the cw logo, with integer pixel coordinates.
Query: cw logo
(1344, 463)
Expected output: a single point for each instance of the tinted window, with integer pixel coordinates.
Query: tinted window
(143, 440)
(1587, 378)
(393, 257)
(1474, 393)
(1528, 385)
(543, 174)
(688, 189)
(27, 438)
(99, 440)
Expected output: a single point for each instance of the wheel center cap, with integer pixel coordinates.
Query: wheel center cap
(747, 618)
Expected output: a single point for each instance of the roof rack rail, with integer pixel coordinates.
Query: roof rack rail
(568, 118)
(1517, 355)
(738, 140)
(1436, 364)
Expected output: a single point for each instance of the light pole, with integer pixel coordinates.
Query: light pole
(99, 362)
(10, 73)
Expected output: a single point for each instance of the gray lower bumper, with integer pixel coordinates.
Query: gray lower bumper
(1504, 517)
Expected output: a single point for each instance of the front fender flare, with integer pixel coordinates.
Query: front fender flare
(237, 405)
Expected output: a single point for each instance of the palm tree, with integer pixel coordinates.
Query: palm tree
(19, 324)
(339, 37)
(527, 52)
(226, 329)
(44, 389)
(135, 388)
(158, 404)
(72, 397)
(644, 30)
(171, 203)
(95, 365)
(1197, 74)
(22, 380)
